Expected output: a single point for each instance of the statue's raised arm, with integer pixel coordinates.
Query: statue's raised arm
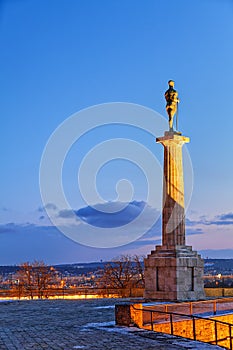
(171, 96)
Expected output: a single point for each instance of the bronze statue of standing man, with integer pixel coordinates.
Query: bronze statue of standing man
(171, 96)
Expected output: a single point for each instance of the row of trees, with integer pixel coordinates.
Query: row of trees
(37, 278)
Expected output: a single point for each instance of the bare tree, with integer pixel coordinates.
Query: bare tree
(34, 278)
(25, 278)
(42, 275)
(138, 261)
(123, 272)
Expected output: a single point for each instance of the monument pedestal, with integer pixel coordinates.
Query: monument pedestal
(173, 271)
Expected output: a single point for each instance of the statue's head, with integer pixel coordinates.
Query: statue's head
(171, 83)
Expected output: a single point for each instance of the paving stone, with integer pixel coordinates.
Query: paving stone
(77, 324)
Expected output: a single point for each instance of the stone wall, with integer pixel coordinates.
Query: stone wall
(200, 329)
(219, 292)
(129, 315)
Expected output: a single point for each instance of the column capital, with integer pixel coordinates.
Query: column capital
(172, 137)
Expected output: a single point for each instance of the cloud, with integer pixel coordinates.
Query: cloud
(218, 220)
(190, 222)
(14, 228)
(41, 209)
(47, 206)
(107, 215)
(221, 222)
(194, 231)
(110, 214)
(66, 214)
(126, 223)
(228, 216)
(224, 219)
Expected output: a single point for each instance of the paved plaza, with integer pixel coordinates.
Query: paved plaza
(77, 324)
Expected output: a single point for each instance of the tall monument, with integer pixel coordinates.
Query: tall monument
(173, 271)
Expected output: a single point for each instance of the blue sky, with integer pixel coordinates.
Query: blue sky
(58, 57)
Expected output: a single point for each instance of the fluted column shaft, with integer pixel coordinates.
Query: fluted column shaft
(173, 213)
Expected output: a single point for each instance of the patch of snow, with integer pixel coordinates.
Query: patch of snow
(78, 347)
(105, 307)
(99, 325)
(111, 327)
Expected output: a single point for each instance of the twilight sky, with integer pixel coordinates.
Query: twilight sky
(58, 58)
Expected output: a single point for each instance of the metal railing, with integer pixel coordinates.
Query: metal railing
(209, 306)
(213, 331)
(54, 292)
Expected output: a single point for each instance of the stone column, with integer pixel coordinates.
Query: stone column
(173, 213)
(173, 271)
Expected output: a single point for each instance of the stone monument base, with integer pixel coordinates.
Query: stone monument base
(174, 273)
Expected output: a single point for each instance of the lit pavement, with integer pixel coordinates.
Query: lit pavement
(77, 324)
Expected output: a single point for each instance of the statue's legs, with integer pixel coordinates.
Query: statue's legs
(170, 115)
(171, 122)
(171, 111)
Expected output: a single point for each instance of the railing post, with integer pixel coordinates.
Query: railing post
(166, 313)
(151, 320)
(230, 336)
(171, 324)
(215, 307)
(216, 332)
(194, 329)
(190, 308)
